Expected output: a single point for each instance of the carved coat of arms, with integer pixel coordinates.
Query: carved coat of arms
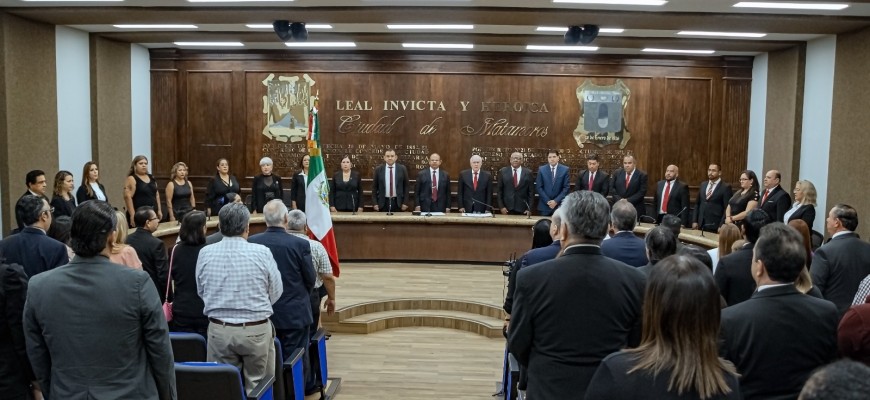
(602, 114)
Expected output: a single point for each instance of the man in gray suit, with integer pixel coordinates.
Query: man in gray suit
(94, 328)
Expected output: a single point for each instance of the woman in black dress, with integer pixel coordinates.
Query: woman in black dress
(345, 193)
(91, 188)
(140, 190)
(300, 181)
(266, 186)
(187, 306)
(179, 193)
(678, 357)
(744, 201)
(219, 186)
(63, 201)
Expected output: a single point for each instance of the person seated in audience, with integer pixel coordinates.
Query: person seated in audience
(179, 193)
(266, 186)
(780, 335)
(63, 200)
(121, 252)
(345, 190)
(94, 329)
(233, 198)
(734, 271)
(140, 189)
(728, 234)
(151, 250)
(299, 184)
(36, 183)
(625, 246)
(804, 207)
(59, 230)
(744, 200)
(571, 312)
(91, 188)
(804, 282)
(223, 183)
(677, 357)
(187, 306)
(660, 243)
(673, 223)
(841, 380)
(32, 248)
(839, 266)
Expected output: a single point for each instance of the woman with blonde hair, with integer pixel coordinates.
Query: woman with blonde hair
(122, 253)
(179, 193)
(728, 234)
(63, 201)
(804, 282)
(804, 207)
(678, 357)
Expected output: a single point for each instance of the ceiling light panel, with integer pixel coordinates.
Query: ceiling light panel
(722, 34)
(155, 26)
(561, 48)
(792, 6)
(437, 46)
(564, 29)
(319, 44)
(677, 51)
(307, 26)
(210, 44)
(429, 27)
(617, 2)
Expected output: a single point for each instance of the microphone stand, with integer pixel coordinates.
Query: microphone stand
(491, 208)
(353, 203)
(528, 210)
(389, 206)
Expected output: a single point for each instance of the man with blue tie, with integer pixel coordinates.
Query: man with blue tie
(552, 184)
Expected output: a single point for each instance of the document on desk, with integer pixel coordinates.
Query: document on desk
(434, 214)
(478, 215)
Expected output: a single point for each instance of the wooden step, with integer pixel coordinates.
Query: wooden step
(470, 307)
(377, 321)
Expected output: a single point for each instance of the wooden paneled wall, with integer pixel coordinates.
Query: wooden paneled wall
(688, 112)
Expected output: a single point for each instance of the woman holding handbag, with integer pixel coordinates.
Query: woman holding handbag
(187, 306)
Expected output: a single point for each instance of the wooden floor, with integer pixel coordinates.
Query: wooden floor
(416, 362)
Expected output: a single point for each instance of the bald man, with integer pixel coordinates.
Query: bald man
(774, 200)
(475, 188)
(672, 197)
(433, 187)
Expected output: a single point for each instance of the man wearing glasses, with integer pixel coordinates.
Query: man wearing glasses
(31, 248)
(151, 251)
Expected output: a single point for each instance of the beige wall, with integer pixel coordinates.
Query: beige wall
(785, 87)
(28, 111)
(850, 128)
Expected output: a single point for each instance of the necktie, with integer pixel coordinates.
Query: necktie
(515, 177)
(475, 181)
(763, 199)
(554, 173)
(665, 198)
(591, 179)
(627, 180)
(391, 183)
(434, 186)
(709, 190)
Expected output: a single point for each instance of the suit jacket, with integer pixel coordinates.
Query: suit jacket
(346, 196)
(532, 257)
(297, 190)
(759, 337)
(777, 203)
(600, 185)
(678, 200)
(734, 276)
(124, 344)
(517, 199)
(838, 268)
(710, 214)
(551, 189)
(570, 313)
(293, 256)
(634, 193)
(63, 207)
(15, 371)
(152, 253)
(806, 212)
(34, 250)
(625, 247)
(424, 191)
(381, 190)
(483, 194)
(18, 220)
(259, 191)
(82, 194)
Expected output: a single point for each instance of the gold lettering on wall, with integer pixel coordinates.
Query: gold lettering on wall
(351, 124)
(502, 127)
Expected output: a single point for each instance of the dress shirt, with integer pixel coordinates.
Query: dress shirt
(763, 287)
(662, 201)
(791, 211)
(863, 291)
(390, 169)
(711, 186)
(319, 256)
(97, 192)
(841, 233)
(237, 281)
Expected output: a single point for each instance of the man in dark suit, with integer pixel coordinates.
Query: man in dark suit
(291, 314)
(774, 200)
(151, 250)
(475, 188)
(36, 184)
(516, 188)
(567, 319)
(123, 339)
(839, 266)
(780, 335)
(625, 246)
(552, 184)
(734, 271)
(32, 248)
(592, 178)
(713, 196)
(672, 197)
(16, 374)
(630, 183)
(433, 187)
(660, 243)
(390, 185)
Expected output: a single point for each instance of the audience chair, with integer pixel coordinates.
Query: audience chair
(187, 346)
(279, 390)
(215, 381)
(317, 356)
(294, 378)
(817, 239)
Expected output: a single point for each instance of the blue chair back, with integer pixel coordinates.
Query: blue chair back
(317, 353)
(187, 346)
(215, 381)
(294, 378)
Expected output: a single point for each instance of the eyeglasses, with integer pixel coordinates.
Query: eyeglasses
(153, 219)
(50, 211)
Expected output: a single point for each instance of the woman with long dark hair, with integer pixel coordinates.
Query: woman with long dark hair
(345, 192)
(63, 201)
(91, 188)
(218, 187)
(300, 182)
(744, 200)
(140, 189)
(187, 306)
(678, 357)
(179, 192)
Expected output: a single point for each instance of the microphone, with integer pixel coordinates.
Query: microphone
(389, 206)
(640, 218)
(491, 208)
(353, 203)
(681, 211)
(528, 210)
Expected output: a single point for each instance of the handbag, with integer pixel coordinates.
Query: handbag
(167, 305)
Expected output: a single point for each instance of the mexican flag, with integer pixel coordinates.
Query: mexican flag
(317, 193)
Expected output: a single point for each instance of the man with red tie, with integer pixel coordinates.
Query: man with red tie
(672, 197)
(475, 188)
(774, 200)
(713, 196)
(433, 187)
(390, 185)
(630, 183)
(593, 179)
(516, 187)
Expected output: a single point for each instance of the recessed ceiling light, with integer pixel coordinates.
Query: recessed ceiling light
(319, 44)
(792, 6)
(653, 50)
(211, 44)
(77, 1)
(562, 48)
(236, 1)
(564, 29)
(307, 26)
(617, 2)
(430, 26)
(722, 34)
(437, 46)
(155, 26)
